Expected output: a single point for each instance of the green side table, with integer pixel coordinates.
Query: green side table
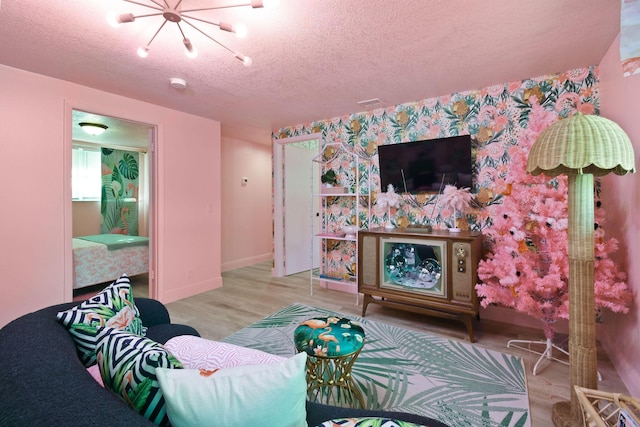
(332, 344)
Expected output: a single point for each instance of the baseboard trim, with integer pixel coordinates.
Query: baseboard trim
(245, 262)
(191, 290)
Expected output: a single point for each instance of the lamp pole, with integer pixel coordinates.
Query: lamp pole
(582, 314)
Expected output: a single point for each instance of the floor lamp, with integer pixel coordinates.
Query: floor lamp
(581, 147)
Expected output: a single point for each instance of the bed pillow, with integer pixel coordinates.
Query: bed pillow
(112, 307)
(257, 395)
(128, 365)
(199, 353)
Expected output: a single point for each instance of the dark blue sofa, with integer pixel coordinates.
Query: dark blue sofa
(43, 382)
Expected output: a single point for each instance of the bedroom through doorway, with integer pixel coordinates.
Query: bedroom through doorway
(111, 208)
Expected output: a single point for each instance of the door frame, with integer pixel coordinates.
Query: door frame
(152, 153)
(278, 197)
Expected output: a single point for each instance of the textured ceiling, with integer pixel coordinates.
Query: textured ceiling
(312, 59)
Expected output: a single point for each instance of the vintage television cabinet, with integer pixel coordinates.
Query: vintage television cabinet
(432, 273)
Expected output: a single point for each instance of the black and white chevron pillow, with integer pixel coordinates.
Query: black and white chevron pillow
(112, 307)
(128, 363)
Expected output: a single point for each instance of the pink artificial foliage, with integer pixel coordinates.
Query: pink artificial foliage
(527, 266)
(457, 199)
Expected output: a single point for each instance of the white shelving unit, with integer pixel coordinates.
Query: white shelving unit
(323, 232)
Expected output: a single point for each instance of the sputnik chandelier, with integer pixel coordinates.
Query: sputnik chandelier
(173, 12)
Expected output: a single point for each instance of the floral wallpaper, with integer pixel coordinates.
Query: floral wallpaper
(120, 186)
(494, 117)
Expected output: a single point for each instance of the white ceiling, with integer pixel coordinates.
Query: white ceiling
(312, 59)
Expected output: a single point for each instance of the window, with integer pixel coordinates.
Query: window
(86, 174)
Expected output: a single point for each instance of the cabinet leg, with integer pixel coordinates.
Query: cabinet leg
(468, 321)
(365, 301)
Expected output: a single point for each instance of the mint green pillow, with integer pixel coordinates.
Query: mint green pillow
(253, 395)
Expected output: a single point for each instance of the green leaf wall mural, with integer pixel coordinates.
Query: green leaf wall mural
(120, 185)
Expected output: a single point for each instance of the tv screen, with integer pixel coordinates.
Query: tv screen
(421, 166)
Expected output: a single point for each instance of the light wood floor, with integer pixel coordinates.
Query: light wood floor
(249, 294)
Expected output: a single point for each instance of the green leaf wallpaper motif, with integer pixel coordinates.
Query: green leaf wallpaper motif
(457, 383)
(120, 184)
(129, 166)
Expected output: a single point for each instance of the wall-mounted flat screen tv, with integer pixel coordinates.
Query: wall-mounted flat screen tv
(426, 166)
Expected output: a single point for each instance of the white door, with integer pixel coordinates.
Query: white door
(297, 209)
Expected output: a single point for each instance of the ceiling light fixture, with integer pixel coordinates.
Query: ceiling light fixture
(93, 128)
(174, 13)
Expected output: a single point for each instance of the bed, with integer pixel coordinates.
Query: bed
(105, 257)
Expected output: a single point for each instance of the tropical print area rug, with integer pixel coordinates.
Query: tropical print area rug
(398, 369)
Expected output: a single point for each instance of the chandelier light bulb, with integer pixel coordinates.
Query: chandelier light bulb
(143, 52)
(240, 31)
(112, 20)
(190, 51)
(246, 61)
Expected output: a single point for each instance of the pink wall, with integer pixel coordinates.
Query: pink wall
(619, 102)
(246, 209)
(35, 147)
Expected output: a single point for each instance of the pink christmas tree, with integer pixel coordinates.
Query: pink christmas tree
(527, 267)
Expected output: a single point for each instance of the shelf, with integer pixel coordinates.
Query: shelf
(352, 280)
(352, 199)
(335, 195)
(337, 237)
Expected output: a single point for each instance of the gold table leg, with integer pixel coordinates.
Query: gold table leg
(329, 380)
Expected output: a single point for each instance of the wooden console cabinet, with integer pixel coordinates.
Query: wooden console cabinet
(432, 273)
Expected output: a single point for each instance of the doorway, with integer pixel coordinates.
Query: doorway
(295, 209)
(128, 180)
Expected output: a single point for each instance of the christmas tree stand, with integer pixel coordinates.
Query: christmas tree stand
(545, 355)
